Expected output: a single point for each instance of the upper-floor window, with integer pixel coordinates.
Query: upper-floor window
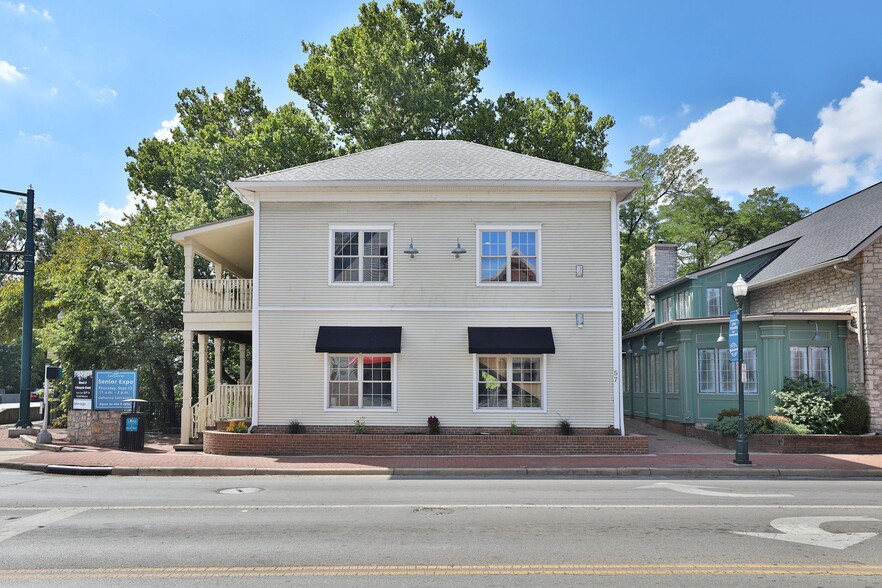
(360, 255)
(683, 304)
(510, 255)
(714, 302)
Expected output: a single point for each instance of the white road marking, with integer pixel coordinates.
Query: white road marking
(808, 531)
(10, 529)
(705, 491)
(461, 506)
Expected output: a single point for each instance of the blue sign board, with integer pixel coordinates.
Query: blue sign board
(112, 387)
(131, 424)
(733, 336)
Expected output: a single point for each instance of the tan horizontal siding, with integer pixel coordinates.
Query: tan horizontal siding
(435, 370)
(294, 254)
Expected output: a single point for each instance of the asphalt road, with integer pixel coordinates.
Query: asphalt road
(366, 530)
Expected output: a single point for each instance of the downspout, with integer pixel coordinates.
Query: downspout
(859, 328)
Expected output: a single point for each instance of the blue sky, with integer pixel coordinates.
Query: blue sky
(784, 93)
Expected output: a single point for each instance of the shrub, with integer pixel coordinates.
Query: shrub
(727, 412)
(60, 422)
(753, 425)
(855, 413)
(360, 426)
(294, 427)
(781, 428)
(564, 426)
(434, 425)
(513, 429)
(804, 402)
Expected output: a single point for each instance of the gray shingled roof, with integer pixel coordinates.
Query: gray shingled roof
(832, 233)
(437, 161)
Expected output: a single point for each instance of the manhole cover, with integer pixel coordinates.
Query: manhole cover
(239, 490)
(433, 510)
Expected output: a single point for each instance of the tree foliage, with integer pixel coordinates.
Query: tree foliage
(763, 212)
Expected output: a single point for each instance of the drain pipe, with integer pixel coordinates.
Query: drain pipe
(859, 329)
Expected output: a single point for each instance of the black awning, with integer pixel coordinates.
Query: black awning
(358, 340)
(521, 340)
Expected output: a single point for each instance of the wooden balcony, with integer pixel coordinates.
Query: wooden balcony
(227, 295)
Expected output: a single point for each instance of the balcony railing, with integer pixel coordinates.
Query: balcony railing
(222, 295)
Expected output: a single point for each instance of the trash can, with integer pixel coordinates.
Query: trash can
(131, 431)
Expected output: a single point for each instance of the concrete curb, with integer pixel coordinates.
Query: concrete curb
(31, 442)
(515, 472)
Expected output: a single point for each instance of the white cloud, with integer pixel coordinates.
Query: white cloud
(9, 73)
(41, 137)
(740, 149)
(649, 121)
(25, 10)
(100, 95)
(164, 132)
(117, 215)
(653, 143)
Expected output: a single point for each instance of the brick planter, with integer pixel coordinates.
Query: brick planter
(860, 444)
(223, 443)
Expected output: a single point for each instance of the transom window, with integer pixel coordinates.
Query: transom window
(714, 302)
(812, 361)
(361, 381)
(716, 375)
(360, 256)
(509, 256)
(508, 382)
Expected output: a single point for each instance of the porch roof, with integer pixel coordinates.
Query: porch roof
(229, 242)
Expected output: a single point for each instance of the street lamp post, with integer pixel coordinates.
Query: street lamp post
(739, 289)
(32, 219)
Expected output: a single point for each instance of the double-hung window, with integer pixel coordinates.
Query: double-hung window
(653, 373)
(361, 381)
(510, 255)
(714, 302)
(510, 382)
(360, 255)
(812, 361)
(717, 375)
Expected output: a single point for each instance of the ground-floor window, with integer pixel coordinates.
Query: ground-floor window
(672, 372)
(653, 373)
(638, 374)
(717, 375)
(361, 381)
(812, 361)
(506, 382)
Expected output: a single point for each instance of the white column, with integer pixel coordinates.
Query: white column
(203, 367)
(243, 371)
(188, 278)
(218, 363)
(188, 387)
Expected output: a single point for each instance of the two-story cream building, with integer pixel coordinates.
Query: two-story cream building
(425, 278)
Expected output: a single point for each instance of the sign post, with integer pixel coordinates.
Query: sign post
(50, 372)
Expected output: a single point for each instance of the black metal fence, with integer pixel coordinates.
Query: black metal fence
(164, 417)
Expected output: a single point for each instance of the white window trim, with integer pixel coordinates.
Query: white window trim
(808, 360)
(719, 300)
(478, 245)
(476, 374)
(353, 228)
(716, 393)
(327, 400)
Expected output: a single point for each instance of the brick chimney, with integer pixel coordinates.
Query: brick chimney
(661, 268)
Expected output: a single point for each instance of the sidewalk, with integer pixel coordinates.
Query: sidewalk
(671, 455)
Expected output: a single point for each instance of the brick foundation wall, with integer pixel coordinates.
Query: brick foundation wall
(383, 445)
(421, 430)
(853, 444)
(93, 427)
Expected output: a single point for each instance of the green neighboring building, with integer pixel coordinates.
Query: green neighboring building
(814, 306)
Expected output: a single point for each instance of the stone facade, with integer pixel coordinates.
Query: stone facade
(93, 427)
(661, 268)
(830, 290)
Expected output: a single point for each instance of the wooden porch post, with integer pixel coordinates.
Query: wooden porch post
(188, 387)
(203, 367)
(218, 363)
(243, 372)
(188, 278)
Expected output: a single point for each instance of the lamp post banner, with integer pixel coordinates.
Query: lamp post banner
(733, 336)
(82, 390)
(113, 387)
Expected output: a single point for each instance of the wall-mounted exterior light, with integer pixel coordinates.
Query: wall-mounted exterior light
(458, 250)
(411, 250)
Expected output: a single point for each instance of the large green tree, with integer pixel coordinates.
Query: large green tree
(667, 177)
(702, 225)
(762, 213)
(400, 73)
